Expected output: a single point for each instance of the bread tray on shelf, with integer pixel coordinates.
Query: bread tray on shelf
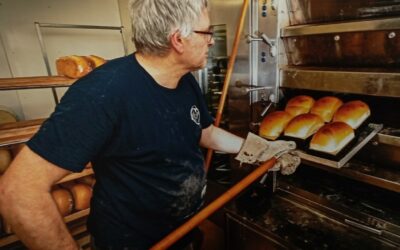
(363, 136)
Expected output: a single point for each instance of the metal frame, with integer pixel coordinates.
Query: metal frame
(3, 45)
(38, 27)
(357, 26)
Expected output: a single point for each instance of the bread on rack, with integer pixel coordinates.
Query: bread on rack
(63, 200)
(95, 61)
(73, 66)
(7, 115)
(325, 107)
(77, 66)
(82, 194)
(273, 124)
(300, 104)
(303, 126)
(332, 137)
(354, 113)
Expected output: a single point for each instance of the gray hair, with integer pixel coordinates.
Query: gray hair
(154, 21)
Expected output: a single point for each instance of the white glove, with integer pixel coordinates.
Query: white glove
(287, 163)
(256, 149)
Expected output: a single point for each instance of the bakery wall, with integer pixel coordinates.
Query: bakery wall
(20, 45)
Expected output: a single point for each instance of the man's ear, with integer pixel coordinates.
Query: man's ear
(177, 42)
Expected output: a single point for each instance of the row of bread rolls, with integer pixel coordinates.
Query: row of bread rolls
(77, 66)
(73, 196)
(330, 108)
(303, 117)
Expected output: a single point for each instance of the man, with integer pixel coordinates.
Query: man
(140, 120)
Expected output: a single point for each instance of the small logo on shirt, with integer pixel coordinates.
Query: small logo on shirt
(195, 114)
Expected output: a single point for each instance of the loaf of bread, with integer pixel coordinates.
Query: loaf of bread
(73, 66)
(332, 137)
(77, 66)
(95, 61)
(303, 126)
(82, 194)
(353, 113)
(63, 200)
(325, 107)
(273, 124)
(299, 105)
(6, 115)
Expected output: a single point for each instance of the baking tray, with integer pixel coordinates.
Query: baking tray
(363, 135)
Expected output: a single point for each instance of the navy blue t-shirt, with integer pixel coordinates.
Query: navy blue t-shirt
(143, 142)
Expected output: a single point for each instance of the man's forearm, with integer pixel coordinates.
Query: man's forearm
(219, 139)
(27, 205)
(35, 219)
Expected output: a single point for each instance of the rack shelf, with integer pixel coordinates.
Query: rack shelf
(4, 241)
(354, 26)
(360, 81)
(35, 82)
(73, 176)
(18, 132)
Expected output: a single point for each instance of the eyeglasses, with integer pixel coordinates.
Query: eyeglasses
(209, 33)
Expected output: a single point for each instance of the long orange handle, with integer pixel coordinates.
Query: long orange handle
(213, 206)
(228, 76)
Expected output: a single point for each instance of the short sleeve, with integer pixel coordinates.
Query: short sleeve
(76, 131)
(206, 119)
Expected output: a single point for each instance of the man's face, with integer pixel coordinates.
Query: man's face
(199, 41)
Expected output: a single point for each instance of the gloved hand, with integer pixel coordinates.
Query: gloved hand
(287, 163)
(256, 149)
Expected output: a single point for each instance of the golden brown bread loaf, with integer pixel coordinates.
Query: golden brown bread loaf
(7, 115)
(303, 126)
(82, 194)
(299, 105)
(63, 199)
(77, 66)
(95, 61)
(353, 113)
(325, 107)
(332, 137)
(273, 124)
(73, 66)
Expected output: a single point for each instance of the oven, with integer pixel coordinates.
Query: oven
(347, 49)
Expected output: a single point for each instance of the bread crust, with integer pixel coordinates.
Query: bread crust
(95, 61)
(300, 104)
(273, 124)
(325, 107)
(332, 137)
(73, 66)
(63, 200)
(82, 194)
(354, 113)
(303, 126)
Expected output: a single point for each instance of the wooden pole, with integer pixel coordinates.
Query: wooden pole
(213, 206)
(228, 76)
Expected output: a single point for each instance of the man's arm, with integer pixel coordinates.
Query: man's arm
(221, 140)
(26, 202)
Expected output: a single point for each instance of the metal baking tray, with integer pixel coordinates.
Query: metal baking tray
(363, 136)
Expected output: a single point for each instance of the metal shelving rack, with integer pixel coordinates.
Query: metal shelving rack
(39, 26)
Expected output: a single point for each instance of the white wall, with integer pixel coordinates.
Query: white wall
(21, 45)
